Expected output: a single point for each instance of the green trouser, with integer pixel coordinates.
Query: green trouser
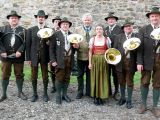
(64, 90)
(4, 87)
(144, 94)
(34, 85)
(19, 85)
(80, 86)
(129, 91)
(45, 83)
(156, 92)
(59, 86)
(122, 90)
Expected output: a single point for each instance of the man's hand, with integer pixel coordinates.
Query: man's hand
(140, 68)
(54, 64)
(75, 45)
(28, 62)
(4, 55)
(18, 54)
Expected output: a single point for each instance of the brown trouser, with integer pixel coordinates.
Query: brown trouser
(155, 74)
(44, 70)
(126, 76)
(7, 69)
(52, 71)
(63, 75)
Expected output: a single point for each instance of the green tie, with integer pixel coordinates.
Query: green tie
(87, 36)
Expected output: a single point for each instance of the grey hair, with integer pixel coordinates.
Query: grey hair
(87, 15)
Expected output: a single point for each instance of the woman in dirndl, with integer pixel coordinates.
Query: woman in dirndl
(98, 65)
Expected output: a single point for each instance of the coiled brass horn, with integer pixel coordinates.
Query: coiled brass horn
(132, 43)
(112, 56)
(75, 38)
(45, 33)
(155, 34)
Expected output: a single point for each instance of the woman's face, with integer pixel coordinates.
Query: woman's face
(99, 30)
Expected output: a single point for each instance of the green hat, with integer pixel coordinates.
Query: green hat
(111, 15)
(153, 10)
(41, 13)
(56, 18)
(13, 13)
(127, 22)
(65, 20)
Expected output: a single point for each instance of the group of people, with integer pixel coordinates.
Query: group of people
(58, 52)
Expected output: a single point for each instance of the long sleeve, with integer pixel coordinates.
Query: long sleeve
(140, 48)
(28, 44)
(23, 46)
(52, 48)
(2, 49)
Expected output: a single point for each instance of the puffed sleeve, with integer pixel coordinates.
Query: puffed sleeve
(91, 42)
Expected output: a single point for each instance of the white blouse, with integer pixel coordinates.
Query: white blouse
(99, 42)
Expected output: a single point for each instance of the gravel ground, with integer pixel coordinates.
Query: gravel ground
(84, 109)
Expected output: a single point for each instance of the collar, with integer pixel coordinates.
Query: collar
(87, 28)
(41, 26)
(154, 27)
(128, 36)
(112, 27)
(64, 33)
(13, 28)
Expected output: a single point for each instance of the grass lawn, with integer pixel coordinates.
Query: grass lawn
(27, 72)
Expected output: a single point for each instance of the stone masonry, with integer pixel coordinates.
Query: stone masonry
(74, 9)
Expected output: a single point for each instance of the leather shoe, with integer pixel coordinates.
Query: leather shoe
(142, 109)
(115, 96)
(96, 101)
(66, 98)
(129, 104)
(155, 112)
(3, 98)
(101, 101)
(22, 96)
(53, 90)
(34, 98)
(79, 96)
(121, 102)
(45, 98)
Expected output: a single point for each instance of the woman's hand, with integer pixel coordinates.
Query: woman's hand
(90, 66)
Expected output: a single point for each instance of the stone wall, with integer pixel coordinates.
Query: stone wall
(74, 9)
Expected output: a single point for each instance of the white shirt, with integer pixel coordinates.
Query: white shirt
(41, 26)
(154, 27)
(112, 27)
(126, 51)
(67, 44)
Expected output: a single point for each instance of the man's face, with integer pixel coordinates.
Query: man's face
(154, 18)
(87, 21)
(64, 26)
(41, 19)
(13, 20)
(128, 29)
(55, 23)
(111, 21)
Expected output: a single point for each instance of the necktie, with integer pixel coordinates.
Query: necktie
(110, 29)
(66, 42)
(156, 41)
(87, 36)
(127, 52)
